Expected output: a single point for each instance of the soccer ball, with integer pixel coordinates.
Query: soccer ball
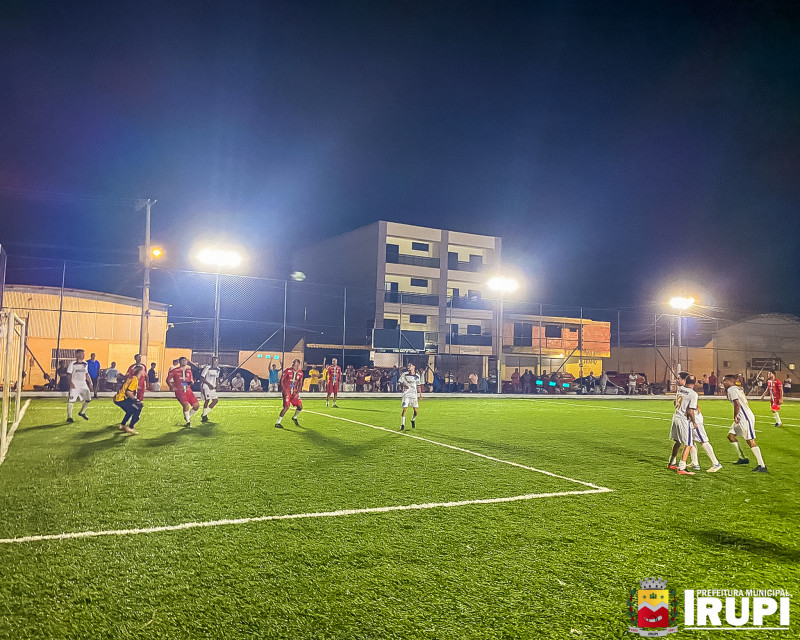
(297, 275)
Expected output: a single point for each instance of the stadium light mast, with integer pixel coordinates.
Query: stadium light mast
(501, 285)
(680, 304)
(146, 255)
(220, 260)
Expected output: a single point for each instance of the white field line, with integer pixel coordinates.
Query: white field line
(450, 446)
(13, 430)
(341, 512)
(296, 516)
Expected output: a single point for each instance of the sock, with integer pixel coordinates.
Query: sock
(403, 420)
(757, 453)
(682, 465)
(296, 413)
(777, 417)
(187, 415)
(739, 451)
(673, 460)
(83, 408)
(206, 411)
(279, 419)
(413, 418)
(710, 453)
(69, 409)
(192, 412)
(693, 454)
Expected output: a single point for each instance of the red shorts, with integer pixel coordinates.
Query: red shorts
(292, 401)
(185, 397)
(776, 407)
(333, 387)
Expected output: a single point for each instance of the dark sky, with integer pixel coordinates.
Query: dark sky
(612, 145)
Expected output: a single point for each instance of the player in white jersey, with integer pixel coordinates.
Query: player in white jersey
(673, 434)
(409, 381)
(80, 385)
(744, 424)
(209, 377)
(683, 421)
(701, 438)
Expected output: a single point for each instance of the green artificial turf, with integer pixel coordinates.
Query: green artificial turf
(550, 567)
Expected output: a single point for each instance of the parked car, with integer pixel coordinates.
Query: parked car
(620, 379)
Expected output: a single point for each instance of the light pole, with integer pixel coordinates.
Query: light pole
(501, 285)
(146, 255)
(219, 259)
(681, 304)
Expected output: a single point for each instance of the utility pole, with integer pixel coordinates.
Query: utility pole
(146, 257)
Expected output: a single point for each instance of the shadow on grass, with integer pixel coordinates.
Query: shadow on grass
(87, 435)
(53, 425)
(87, 449)
(345, 450)
(756, 546)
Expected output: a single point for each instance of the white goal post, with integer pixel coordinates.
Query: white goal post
(12, 374)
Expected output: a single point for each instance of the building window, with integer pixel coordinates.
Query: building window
(523, 334)
(552, 331)
(389, 324)
(419, 282)
(474, 329)
(420, 246)
(474, 295)
(726, 364)
(453, 328)
(417, 319)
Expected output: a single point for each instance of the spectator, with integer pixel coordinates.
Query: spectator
(590, 383)
(237, 384)
(787, 384)
(274, 376)
(313, 379)
(438, 382)
(712, 384)
(632, 380)
(483, 386)
(361, 378)
(603, 382)
(473, 382)
(93, 367)
(393, 376)
(255, 384)
(527, 381)
(63, 377)
(515, 385)
(377, 379)
(152, 378)
(706, 384)
(112, 373)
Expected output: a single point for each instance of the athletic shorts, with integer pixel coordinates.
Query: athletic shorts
(209, 394)
(80, 393)
(744, 427)
(775, 407)
(292, 401)
(682, 431)
(186, 397)
(410, 401)
(700, 435)
(333, 387)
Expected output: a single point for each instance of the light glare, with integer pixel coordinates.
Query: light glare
(681, 303)
(220, 258)
(503, 285)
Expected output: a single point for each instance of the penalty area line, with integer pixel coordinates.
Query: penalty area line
(472, 453)
(296, 516)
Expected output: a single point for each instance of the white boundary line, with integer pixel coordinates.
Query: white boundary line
(13, 430)
(341, 512)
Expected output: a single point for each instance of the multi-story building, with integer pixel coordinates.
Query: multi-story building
(430, 295)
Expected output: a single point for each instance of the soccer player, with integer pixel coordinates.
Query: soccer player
(684, 421)
(180, 380)
(80, 385)
(700, 437)
(137, 360)
(208, 387)
(291, 385)
(94, 371)
(744, 424)
(775, 391)
(127, 400)
(333, 374)
(409, 382)
(673, 460)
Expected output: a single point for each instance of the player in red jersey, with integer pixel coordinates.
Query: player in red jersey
(334, 376)
(775, 391)
(180, 381)
(291, 385)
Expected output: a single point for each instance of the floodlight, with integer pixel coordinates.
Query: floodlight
(503, 284)
(680, 303)
(220, 258)
(156, 252)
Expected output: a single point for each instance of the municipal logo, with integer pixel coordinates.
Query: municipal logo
(652, 609)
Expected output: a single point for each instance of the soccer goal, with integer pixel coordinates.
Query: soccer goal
(12, 372)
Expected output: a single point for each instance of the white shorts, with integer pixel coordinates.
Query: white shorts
(744, 427)
(681, 432)
(700, 435)
(410, 401)
(80, 393)
(209, 394)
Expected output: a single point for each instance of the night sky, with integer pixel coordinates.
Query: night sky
(612, 145)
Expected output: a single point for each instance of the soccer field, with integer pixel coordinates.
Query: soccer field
(495, 518)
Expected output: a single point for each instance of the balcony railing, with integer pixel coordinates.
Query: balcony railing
(401, 297)
(414, 261)
(469, 303)
(455, 265)
(469, 340)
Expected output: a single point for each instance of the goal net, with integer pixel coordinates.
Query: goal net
(12, 375)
